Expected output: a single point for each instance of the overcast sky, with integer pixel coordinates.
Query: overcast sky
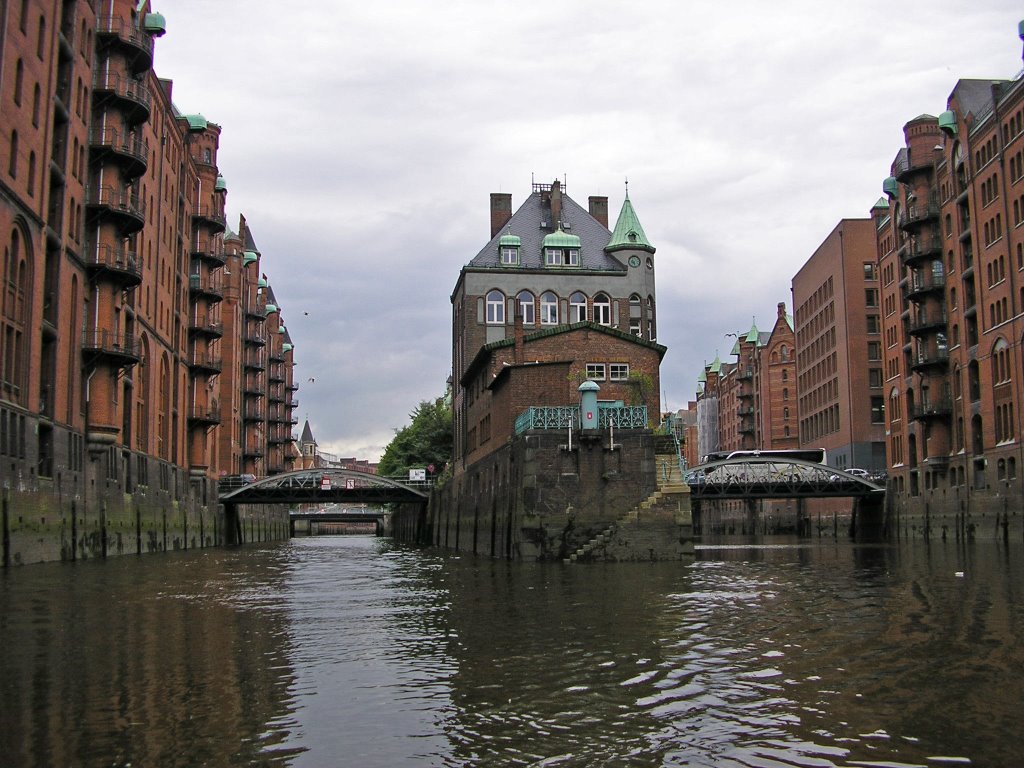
(362, 140)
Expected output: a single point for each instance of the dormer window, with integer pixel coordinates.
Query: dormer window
(508, 249)
(561, 249)
(562, 257)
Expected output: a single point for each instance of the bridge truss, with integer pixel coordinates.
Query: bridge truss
(754, 477)
(327, 486)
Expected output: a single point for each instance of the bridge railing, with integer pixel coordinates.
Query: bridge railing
(564, 416)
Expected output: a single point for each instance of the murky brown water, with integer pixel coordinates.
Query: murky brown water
(354, 652)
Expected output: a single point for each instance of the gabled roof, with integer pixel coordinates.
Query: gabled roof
(528, 223)
(628, 233)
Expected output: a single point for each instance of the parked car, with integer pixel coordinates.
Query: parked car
(858, 472)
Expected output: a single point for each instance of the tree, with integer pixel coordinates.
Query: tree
(427, 440)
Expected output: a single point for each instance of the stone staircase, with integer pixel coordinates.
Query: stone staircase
(670, 483)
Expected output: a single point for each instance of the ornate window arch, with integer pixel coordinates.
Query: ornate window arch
(577, 307)
(602, 309)
(495, 308)
(527, 307)
(548, 308)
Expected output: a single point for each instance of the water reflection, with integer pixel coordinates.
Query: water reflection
(352, 651)
(138, 662)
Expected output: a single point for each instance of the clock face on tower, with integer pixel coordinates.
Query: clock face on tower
(634, 261)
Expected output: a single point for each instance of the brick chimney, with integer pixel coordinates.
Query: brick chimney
(598, 207)
(556, 203)
(501, 211)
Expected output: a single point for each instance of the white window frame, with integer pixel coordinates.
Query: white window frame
(509, 255)
(573, 257)
(553, 257)
(548, 308)
(602, 309)
(595, 371)
(527, 307)
(577, 309)
(618, 371)
(495, 307)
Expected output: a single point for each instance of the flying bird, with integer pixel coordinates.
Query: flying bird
(311, 378)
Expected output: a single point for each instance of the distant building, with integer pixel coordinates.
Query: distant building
(837, 307)
(556, 289)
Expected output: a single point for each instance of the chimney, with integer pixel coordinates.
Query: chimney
(501, 211)
(556, 203)
(599, 209)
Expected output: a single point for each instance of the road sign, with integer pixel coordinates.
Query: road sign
(417, 475)
(325, 484)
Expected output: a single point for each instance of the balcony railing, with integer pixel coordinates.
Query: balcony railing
(117, 346)
(206, 363)
(119, 263)
(131, 150)
(133, 95)
(120, 203)
(206, 325)
(932, 410)
(926, 321)
(914, 214)
(204, 415)
(923, 283)
(206, 285)
(210, 251)
(907, 162)
(211, 216)
(929, 359)
(132, 39)
(564, 416)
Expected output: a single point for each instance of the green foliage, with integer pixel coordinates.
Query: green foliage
(427, 440)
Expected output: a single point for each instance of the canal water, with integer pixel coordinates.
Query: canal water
(353, 651)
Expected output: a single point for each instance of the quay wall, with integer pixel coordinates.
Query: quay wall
(536, 499)
(118, 503)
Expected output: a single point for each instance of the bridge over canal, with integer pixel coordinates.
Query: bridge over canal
(750, 478)
(321, 487)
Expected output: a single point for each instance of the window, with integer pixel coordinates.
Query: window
(526, 307)
(595, 371)
(509, 254)
(871, 297)
(577, 308)
(562, 257)
(870, 271)
(618, 371)
(873, 324)
(12, 164)
(19, 79)
(495, 308)
(602, 309)
(548, 308)
(874, 377)
(874, 350)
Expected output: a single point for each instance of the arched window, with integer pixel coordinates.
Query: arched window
(577, 308)
(12, 163)
(36, 104)
(495, 308)
(527, 307)
(602, 309)
(548, 308)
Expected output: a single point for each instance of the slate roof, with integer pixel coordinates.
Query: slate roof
(526, 223)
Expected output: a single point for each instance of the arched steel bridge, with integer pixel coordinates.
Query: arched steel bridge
(760, 477)
(326, 486)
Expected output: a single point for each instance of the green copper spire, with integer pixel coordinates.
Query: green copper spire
(628, 233)
(752, 335)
